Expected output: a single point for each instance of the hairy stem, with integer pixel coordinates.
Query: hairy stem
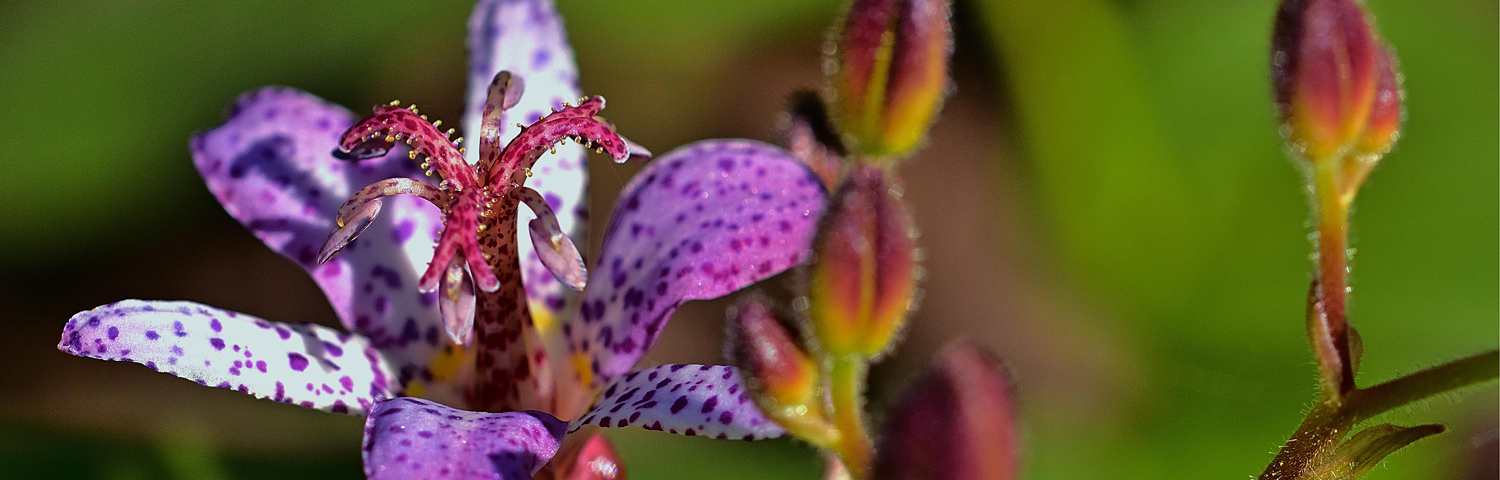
(1331, 340)
(846, 382)
(1369, 402)
(1325, 425)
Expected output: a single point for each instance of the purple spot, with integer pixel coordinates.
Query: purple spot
(114, 333)
(403, 231)
(298, 362)
(218, 343)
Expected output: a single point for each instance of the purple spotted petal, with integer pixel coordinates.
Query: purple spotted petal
(527, 38)
(704, 220)
(411, 438)
(270, 166)
(702, 400)
(307, 365)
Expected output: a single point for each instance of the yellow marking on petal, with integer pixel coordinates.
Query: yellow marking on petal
(581, 364)
(542, 316)
(445, 365)
(416, 389)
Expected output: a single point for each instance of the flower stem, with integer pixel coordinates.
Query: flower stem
(846, 385)
(1326, 424)
(1329, 330)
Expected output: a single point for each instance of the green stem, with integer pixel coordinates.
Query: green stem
(1325, 425)
(1369, 402)
(846, 382)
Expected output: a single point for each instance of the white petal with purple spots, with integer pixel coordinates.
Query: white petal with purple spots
(702, 221)
(702, 400)
(270, 166)
(410, 438)
(527, 38)
(307, 365)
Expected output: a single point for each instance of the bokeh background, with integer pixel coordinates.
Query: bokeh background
(1104, 202)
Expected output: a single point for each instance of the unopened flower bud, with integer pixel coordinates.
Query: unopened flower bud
(780, 374)
(1323, 67)
(1384, 125)
(957, 422)
(584, 458)
(862, 282)
(812, 138)
(892, 72)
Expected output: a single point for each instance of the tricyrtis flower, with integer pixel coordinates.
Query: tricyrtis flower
(698, 222)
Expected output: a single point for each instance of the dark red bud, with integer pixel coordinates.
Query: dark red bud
(956, 422)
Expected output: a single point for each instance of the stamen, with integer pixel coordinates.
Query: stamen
(349, 228)
(553, 246)
(359, 211)
(505, 92)
(456, 303)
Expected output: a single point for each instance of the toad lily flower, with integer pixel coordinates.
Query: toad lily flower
(436, 340)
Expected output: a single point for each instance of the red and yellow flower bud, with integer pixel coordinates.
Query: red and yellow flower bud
(957, 422)
(781, 376)
(863, 280)
(892, 73)
(581, 457)
(1323, 66)
(1384, 125)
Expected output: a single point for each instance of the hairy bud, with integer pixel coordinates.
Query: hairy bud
(863, 280)
(892, 72)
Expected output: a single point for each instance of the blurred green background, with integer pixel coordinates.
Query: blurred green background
(1104, 202)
